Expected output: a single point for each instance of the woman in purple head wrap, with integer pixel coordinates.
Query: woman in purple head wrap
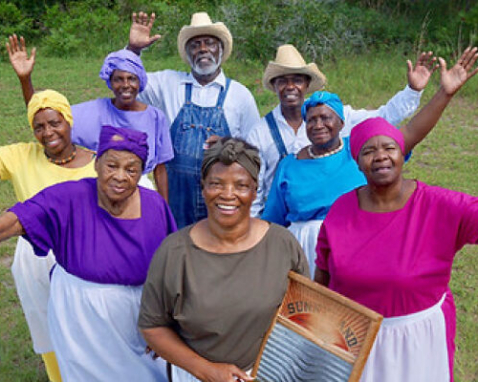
(390, 244)
(104, 233)
(125, 75)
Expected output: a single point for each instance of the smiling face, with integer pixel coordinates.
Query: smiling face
(204, 54)
(118, 174)
(228, 193)
(291, 89)
(53, 132)
(125, 86)
(381, 160)
(323, 126)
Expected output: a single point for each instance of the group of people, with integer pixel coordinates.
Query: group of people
(102, 275)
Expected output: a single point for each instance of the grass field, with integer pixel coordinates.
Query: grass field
(448, 157)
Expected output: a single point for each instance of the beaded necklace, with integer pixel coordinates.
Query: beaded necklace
(328, 153)
(66, 160)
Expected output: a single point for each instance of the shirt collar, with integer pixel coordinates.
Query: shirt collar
(220, 80)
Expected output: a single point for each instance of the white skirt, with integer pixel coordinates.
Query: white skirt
(94, 332)
(306, 234)
(32, 280)
(410, 348)
(181, 375)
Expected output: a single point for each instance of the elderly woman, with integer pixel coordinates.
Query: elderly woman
(305, 185)
(104, 233)
(390, 245)
(31, 167)
(124, 74)
(213, 287)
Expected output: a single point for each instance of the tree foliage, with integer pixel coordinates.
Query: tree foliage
(321, 29)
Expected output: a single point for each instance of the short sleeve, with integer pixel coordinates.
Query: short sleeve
(40, 217)
(5, 162)
(468, 226)
(322, 249)
(157, 301)
(164, 145)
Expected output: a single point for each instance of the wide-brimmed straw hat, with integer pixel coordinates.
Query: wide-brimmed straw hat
(290, 61)
(201, 25)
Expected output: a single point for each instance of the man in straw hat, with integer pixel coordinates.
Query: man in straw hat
(201, 105)
(283, 132)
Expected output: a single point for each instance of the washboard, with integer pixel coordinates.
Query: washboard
(317, 335)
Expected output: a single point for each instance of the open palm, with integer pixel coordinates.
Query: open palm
(18, 55)
(419, 75)
(453, 79)
(139, 33)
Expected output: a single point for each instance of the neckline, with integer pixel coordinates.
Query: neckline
(104, 211)
(191, 242)
(405, 206)
(110, 102)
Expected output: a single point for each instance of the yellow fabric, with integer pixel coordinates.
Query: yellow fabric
(26, 166)
(49, 99)
(51, 366)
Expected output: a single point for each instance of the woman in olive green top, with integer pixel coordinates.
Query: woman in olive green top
(214, 287)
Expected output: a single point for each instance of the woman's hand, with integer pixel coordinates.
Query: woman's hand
(224, 372)
(139, 33)
(452, 80)
(419, 75)
(17, 53)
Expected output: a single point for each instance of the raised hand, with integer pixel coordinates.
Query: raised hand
(18, 56)
(419, 75)
(453, 79)
(139, 33)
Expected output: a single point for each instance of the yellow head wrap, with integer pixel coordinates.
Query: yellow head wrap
(49, 99)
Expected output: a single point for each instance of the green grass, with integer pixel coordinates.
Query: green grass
(447, 158)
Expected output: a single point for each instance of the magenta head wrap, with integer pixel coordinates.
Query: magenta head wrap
(122, 139)
(372, 127)
(127, 61)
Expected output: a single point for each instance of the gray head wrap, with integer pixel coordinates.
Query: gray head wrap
(229, 150)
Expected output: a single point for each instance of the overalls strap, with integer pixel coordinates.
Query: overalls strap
(223, 93)
(271, 122)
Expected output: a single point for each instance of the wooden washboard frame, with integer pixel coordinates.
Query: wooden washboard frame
(329, 335)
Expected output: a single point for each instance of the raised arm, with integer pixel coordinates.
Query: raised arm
(166, 343)
(10, 226)
(419, 74)
(22, 65)
(450, 82)
(140, 32)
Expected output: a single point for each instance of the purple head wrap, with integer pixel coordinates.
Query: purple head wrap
(331, 100)
(127, 61)
(122, 139)
(372, 127)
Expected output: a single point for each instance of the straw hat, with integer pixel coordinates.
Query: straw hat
(201, 25)
(289, 61)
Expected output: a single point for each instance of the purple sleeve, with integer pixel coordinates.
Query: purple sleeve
(86, 124)
(40, 217)
(165, 147)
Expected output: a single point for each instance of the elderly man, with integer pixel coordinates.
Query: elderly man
(282, 131)
(201, 105)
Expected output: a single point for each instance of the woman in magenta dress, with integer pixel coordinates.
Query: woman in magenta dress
(390, 245)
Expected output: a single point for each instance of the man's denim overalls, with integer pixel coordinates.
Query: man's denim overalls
(192, 126)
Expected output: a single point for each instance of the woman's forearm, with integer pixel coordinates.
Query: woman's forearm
(166, 343)
(27, 88)
(10, 226)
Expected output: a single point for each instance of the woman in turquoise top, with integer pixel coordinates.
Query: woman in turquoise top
(306, 184)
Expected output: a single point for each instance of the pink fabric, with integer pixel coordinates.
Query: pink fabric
(372, 127)
(399, 262)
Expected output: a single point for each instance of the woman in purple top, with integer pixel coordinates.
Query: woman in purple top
(104, 233)
(124, 74)
(390, 245)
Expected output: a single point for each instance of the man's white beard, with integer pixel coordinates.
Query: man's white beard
(205, 70)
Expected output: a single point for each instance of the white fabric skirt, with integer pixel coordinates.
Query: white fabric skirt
(181, 375)
(94, 332)
(306, 234)
(32, 280)
(410, 348)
